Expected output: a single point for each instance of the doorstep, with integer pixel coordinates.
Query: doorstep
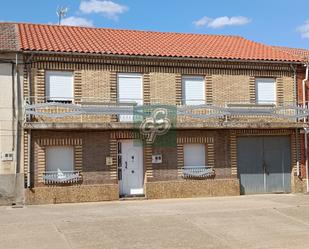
(132, 197)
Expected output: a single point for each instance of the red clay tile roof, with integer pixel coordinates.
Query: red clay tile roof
(8, 37)
(54, 38)
(304, 53)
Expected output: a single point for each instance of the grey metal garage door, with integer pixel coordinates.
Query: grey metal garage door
(264, 164)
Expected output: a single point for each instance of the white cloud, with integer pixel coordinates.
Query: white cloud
(107, 8)
(304, 29)
(222, 21)
(202, 22)
(77, 21)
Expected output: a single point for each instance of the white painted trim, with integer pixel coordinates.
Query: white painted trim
(140, 101)
(130, 188)
(131, 75)
(48, 74)
(54, 156)
(199, 77)
(192, 148)
(257, 90)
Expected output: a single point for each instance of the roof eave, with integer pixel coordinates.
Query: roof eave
(164, 57)
(10, 51)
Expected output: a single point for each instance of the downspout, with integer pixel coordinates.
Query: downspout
(306, 157)
(17, 110)
(13, 108)
(16, 116)
(296, 129)
(28, 65)
(304, 87)
(306, 129)
(29, 159)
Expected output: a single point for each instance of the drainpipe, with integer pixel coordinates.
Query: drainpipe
(297, 153)
(29, 160)
(294, 82)
(306, 156)
(306, 129)
(28, 65)
(296, 130)
(16, 116)
(304, 87)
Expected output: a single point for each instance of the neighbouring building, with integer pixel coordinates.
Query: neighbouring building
(111, 113)
(11, 175)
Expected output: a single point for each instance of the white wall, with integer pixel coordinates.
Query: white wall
(11, 184)
(7, 124)
(6, 129)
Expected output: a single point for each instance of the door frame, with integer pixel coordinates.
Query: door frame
(252, 135)
(120, 169)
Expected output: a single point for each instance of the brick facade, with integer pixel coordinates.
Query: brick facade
(97, 145)
(90, 151)
(96, 79)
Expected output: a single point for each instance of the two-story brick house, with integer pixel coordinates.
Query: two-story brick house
(235, 125)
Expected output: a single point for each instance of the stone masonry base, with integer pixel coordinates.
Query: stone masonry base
(69, 194)
(192, 188)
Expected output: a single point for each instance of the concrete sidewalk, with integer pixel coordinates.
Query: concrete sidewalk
(260, 221)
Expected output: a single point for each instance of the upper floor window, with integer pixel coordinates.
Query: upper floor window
(130, 88)
(193, 90)
(265, 90)
(59, 86)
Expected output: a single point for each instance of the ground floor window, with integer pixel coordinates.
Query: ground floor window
(60, 158)
(194, 155)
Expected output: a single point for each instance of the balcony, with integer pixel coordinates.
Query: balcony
(103, 113)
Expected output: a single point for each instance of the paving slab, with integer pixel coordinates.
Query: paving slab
(253, 221)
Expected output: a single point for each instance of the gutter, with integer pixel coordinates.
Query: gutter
(160, 57)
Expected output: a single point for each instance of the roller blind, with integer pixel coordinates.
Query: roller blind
(193, 89)
(194, 155)
(59, 85)
(59, 157)
(265, 91)
(130, 89)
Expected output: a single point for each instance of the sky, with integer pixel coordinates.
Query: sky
(273, 22)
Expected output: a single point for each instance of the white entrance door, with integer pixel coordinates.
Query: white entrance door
(130, 155)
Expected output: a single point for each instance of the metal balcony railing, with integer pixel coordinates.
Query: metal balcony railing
(61, 177)
(197, 172)
(45, 107)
